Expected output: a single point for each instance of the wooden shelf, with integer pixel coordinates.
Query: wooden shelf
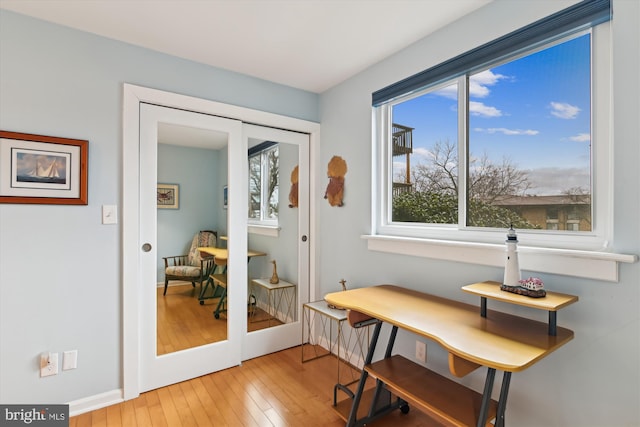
(444, 400)
(343, 408)
(553, 301)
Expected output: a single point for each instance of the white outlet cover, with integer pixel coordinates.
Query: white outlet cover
(50, 366)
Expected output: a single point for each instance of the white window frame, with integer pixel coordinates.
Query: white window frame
(584, 254)
(256, 224)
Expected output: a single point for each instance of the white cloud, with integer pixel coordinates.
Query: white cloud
(479, 109)
(478, 83)
(562, 110)
(581, 137)
(450, 92)
(506, 131)
(556, 181)
(422, 152)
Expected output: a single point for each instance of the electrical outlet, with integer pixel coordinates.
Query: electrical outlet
(421, 351)
(48, 364)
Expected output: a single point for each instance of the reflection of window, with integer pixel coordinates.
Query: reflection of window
(480, 140)
(573, 225)
(263, 182)
(552, 224)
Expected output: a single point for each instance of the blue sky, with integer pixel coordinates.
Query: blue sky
(534, 110)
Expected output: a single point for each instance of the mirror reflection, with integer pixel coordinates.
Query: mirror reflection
(273, 231)
(192, 170)
(192, 214)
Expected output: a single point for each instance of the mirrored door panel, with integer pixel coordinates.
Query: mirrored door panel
(192, 164)
(277, 215)
(181, 195)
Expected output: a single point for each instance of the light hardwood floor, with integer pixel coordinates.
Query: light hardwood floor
(184, 323)
(272, 390)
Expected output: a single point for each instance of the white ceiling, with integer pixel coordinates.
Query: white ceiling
(307, 44)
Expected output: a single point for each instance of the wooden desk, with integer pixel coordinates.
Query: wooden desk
(498, 341)
(218, 281)
(223, 253)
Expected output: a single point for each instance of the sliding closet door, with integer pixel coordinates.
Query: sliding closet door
(274, 320)
(157, 368)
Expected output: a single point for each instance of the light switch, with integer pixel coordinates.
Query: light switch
(69, 360)
(109, 214)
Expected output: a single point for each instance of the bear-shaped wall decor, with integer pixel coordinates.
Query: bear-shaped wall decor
(336, 171)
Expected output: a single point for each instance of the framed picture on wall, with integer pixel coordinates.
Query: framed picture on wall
(168, 196)
(225, 197)
(43, 169)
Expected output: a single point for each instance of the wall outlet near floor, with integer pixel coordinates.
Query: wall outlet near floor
(421, 351)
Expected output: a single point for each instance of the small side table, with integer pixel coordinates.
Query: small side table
(356, 341)
(280, 297)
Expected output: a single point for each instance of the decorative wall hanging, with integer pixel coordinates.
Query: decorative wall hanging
(42, 169)
(168, 196)
(293, 193)
(336, 171)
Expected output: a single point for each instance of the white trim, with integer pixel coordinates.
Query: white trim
(586, 264)
(97, 401)
(132, 97)
(263, 230)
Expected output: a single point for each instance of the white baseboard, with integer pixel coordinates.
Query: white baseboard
(97, 401)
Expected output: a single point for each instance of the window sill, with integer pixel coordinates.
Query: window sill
(577, 263)
(264, 230)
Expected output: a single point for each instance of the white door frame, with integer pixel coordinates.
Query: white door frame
(132, 97)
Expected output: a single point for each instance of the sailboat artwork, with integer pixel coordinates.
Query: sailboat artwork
(41, 168)
(44, 170)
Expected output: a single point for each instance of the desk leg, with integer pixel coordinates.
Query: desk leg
(353, 414)
(553, 321)
(502, 403)
(380, 391)
(486, 397)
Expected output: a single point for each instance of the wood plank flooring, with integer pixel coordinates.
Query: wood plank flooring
(272, 390)
(184, 323)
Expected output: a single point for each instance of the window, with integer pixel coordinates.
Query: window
(507, 134)
(263, 183)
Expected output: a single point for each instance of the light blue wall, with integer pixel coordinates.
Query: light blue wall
(60, 270)
(195, 171)
(63, 292)
(595, 379)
